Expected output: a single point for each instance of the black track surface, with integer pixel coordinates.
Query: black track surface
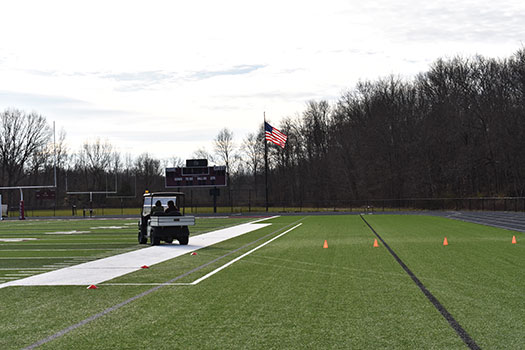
(514, 221)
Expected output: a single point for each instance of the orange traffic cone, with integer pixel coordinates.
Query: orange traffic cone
(92, 287)
(325, 245)
(513, 239)
(445, 242)
(375, 243)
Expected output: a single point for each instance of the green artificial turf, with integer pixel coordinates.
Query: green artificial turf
(52, 244)
(477, 277)
(291, 293)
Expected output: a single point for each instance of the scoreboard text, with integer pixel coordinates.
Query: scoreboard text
(198, 176)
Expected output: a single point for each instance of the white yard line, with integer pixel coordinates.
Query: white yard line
(98, 271)
(20, 239)
(197, 281)
(58, 250)
(146, 284)
(36, 257)
(23, 268)
(242, 256)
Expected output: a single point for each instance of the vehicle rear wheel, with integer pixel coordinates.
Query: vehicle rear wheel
(185, 236)
(153, 238)
(184, 240)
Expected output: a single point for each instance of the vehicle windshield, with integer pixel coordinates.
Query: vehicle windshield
(150, 204)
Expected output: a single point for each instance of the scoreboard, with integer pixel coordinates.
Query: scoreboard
(196, 176)
(45, 194)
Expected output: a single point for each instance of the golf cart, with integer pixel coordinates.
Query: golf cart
(162, 220)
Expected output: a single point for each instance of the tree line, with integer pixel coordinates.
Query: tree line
(456, 130)
(453, 131)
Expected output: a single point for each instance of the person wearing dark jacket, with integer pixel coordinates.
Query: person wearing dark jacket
(158, 208)
(172, 209)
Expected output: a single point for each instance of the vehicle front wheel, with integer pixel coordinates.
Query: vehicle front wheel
(142, 239)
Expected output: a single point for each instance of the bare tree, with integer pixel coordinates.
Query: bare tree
(202, 153)
(128, 163)
(148, 170)
(225, 150)
(95, 160)
(253, 149)
(23, 137)
(61, 150)
(174, 162)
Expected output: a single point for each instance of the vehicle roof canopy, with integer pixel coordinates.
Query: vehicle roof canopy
(163, 194)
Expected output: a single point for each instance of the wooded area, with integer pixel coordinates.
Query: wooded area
(454, 131)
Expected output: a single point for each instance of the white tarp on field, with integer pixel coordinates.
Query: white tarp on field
(103, 270)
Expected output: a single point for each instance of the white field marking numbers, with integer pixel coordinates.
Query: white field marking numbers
(197, 281)
(17, 239)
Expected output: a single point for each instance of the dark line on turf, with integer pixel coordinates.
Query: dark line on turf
(450, 319)
(149, 291)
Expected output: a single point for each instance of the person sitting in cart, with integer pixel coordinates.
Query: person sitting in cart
(172, 209)
(158, 208)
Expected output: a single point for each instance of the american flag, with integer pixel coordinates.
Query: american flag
(274, 135)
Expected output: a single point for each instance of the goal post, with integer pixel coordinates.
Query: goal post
(3, 212)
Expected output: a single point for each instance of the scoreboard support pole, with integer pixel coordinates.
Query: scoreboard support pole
(215, 200)
(215, 193)
(21, 209)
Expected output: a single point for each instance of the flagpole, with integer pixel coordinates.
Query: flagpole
(265, 160)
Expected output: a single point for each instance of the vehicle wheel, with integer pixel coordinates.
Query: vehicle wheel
(153, 238)
(142, 239)
(185, 236)
(184, 240)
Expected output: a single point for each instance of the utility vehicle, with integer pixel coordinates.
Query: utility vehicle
(163, 219)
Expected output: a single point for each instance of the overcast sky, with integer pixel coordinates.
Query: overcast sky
(165, 76)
